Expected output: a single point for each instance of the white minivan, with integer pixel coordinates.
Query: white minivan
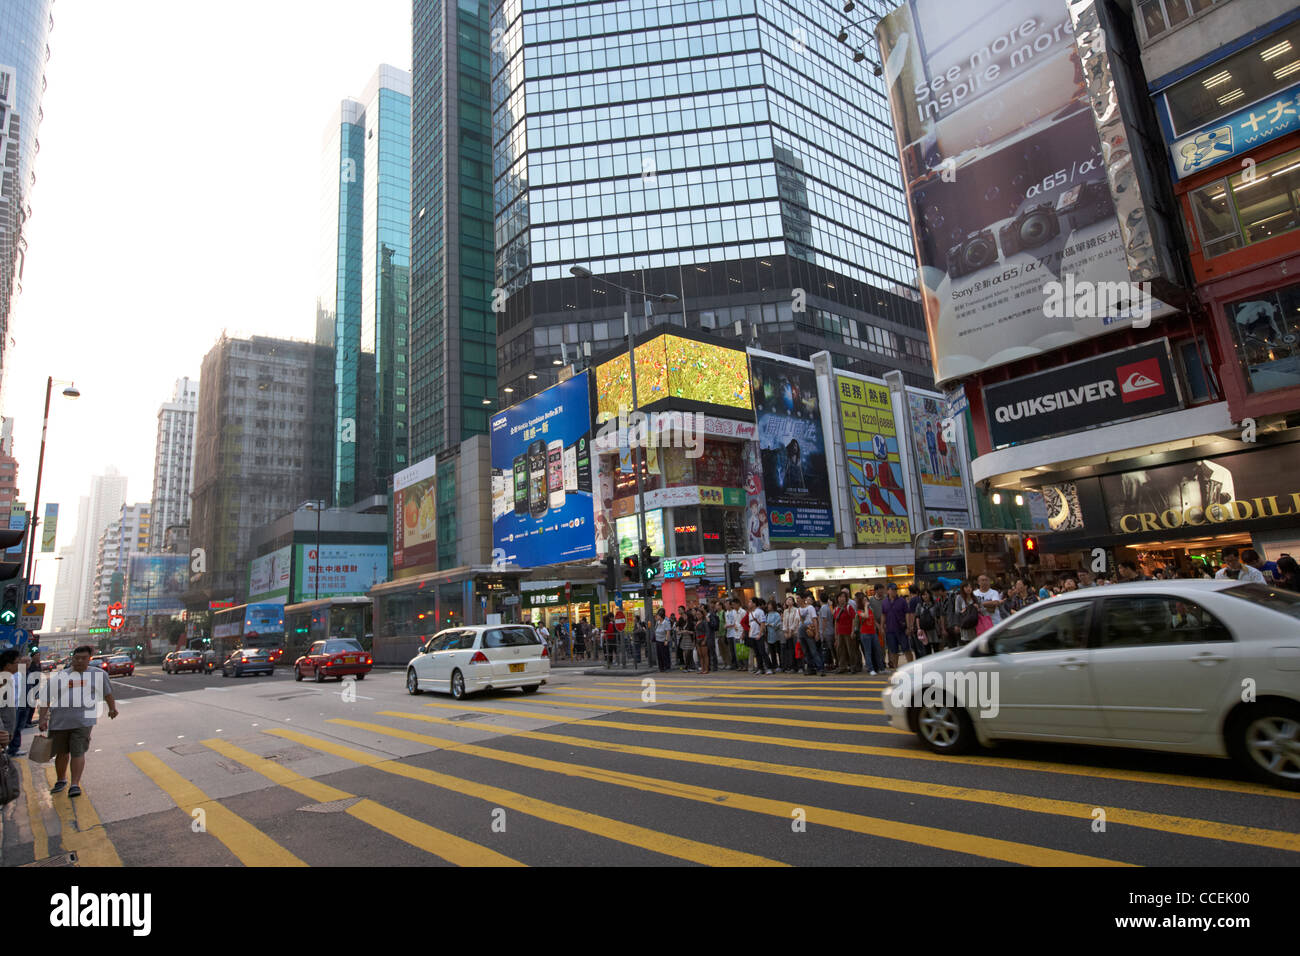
(468, 659)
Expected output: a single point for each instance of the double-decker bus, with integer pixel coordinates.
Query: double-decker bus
(341, 617)
(949, 556)
(248, 625)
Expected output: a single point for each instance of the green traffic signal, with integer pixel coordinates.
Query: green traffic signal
(8, 616)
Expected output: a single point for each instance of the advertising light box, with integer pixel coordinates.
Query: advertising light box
(675, 367)
(542, 467)
(269, 577)
(415, 516)
(344, 569)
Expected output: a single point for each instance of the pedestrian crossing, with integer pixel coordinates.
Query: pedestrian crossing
(721, 771)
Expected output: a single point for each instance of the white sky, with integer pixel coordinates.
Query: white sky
(177, 194)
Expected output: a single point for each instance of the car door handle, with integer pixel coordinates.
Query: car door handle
(1073, 662)
(1208, 659)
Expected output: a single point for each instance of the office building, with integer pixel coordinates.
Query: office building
(24, 29)
(173, 463)
(97, 511)
(732, 154)
(263, 444)
(362, 306)
(127, 534)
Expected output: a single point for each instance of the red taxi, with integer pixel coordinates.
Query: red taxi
(336, 657)
(116, 665)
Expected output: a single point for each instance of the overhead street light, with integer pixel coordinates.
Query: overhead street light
(70, 392)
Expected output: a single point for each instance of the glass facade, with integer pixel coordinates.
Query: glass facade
(24, 29)
(725, 151)
(362, 309)
(453, 330)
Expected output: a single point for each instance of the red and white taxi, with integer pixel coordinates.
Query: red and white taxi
(337, 657)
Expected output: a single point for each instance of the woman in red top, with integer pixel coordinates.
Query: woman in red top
(871, 649)
(846, 652)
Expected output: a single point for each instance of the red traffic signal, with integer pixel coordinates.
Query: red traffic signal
(1031, 544)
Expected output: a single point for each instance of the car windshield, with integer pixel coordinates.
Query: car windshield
(123, 659)
(1275, 599)
(339, 647)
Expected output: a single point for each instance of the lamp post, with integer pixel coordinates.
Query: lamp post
(316, 506)
(70, 392)
(583, 273)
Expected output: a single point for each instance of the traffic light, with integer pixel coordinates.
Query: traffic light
(1031, 549)
(10, 603)
(649, 564)
(631, 570)
(796, 581)
(733, 574)
(611, 572)
(11, 538)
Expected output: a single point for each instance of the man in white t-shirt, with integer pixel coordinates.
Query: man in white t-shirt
(990, 598)
(733, 635)
(1234, 568)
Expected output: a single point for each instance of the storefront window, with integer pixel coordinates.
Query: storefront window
(1226, 86)
(720, 530)
(1266, 336)
(686, 531)
(1258, 203)
(451, 600)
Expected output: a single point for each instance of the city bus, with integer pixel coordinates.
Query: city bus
(949, 556)
(312, 621)
(248, 625)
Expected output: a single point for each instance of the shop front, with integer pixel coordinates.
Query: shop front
(553, 604)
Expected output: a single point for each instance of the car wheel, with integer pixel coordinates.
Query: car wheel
(945, 729)
(458, 685)
(320, 676)
(297, 672)
(531, 688)
(361, 677)
(412, 681)
(1266, 740)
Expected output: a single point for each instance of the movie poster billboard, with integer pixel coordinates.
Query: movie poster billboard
(937, 459)
(795, 481)
(156, 583)
(874, 469)
(415, 517)
(1012, 210)
(269, 577)
(542, 456)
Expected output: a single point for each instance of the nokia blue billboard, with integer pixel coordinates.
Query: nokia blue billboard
(542, 477)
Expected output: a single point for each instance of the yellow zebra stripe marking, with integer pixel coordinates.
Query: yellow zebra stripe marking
(604, 695)
(250, 845)
(1167, 823)
(82, 833)
(40, 838)
(441, 844)
(642, 837)
(986, 847)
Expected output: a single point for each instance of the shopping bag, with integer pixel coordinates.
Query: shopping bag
(984, 623)
(42, 749)
(742, 652)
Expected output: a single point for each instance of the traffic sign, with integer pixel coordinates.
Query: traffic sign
(33, 593)
(620, 619)
(115, 617)
(11, 636)
(33, 616)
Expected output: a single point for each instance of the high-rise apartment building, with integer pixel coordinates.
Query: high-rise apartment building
(263, 445)
(24, 28)
(8, 471)
(101, 508)
(173, 462)
(361, 309)
(129, 533)
(65, 604)
(453, 329)
(730, 153)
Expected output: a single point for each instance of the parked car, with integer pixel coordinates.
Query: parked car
(1150, 665)
(335, 657)
(116, 665)
(464, 660)
(248, 660)
(178, 661)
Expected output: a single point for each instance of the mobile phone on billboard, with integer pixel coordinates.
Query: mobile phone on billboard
(521, 484)
(584, 464)
(555, 473)
(571, 468)
(537, 496)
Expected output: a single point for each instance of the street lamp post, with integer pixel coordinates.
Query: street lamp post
(316, 505)
(70, 392)
(583, 273)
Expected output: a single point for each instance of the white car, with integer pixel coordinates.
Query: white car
(1195, 667)
(465, 660)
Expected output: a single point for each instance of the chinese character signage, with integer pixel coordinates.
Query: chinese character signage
(875, 473)
(344, 569)
(1238, 133)
(795, 482)
(542, 510)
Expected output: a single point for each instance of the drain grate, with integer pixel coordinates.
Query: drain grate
(63, 859)
(331, 806)
(471, 717)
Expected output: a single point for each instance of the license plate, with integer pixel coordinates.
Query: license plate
(516, 668)
(349, 660)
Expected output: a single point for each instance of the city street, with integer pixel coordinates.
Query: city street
(724, 769)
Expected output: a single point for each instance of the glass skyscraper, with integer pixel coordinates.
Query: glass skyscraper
(24, 30)
(453, 329)
(362, 307)
(729, 152)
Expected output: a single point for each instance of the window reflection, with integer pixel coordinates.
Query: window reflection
(1266, 336)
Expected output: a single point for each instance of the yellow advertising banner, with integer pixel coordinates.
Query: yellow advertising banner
(875, 473)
